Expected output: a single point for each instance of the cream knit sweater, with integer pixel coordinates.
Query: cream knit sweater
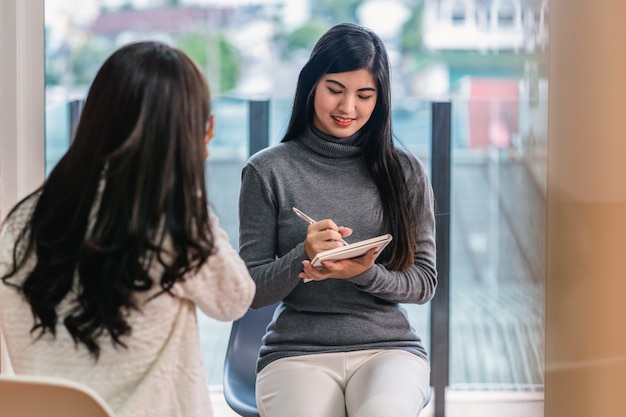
(161, 372)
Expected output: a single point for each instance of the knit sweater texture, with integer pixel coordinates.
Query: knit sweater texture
(161, 372)
(327, 178)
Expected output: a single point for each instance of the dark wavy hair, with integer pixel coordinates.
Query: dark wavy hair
(350, 47)
(140, 135)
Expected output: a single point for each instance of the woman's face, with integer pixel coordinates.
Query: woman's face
(344, 102)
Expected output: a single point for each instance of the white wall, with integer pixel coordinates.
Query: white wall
(22, 84)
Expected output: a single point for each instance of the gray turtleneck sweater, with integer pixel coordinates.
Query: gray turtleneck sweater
(327, 178)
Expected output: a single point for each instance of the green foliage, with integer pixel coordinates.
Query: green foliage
(128, 5)
(53, 67)
(336, 11)
(87, 59)
(195, 45)
(52, 77)
(229, 68)
(411, 41)
(305, 36)
(215, 56)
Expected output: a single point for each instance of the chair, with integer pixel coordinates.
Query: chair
(240, 363)
(37, 396)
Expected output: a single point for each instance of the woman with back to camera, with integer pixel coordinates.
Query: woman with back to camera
(103, 267)
(340, 344)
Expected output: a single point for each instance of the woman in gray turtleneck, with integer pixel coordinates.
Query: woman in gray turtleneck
(341, 344)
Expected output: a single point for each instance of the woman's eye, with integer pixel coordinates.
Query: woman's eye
(334, 91)
(365, 97)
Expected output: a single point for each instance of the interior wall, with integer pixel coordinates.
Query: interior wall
(586, 256)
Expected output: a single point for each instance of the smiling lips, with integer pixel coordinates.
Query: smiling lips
(342, 122)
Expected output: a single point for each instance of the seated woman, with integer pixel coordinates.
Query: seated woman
(340, 343)
(104, 265)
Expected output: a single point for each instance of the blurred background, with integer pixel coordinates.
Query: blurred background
(487, 58)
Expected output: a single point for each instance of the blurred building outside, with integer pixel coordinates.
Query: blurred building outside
(486, 56)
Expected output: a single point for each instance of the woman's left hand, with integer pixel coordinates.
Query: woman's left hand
(343, 269)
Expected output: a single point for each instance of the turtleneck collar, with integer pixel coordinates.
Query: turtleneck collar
(330, 146)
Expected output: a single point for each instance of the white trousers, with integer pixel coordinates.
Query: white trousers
(369, 383)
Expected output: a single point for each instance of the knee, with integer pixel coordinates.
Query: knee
(385, 407)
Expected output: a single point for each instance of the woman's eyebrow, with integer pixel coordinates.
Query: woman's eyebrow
(344, 87)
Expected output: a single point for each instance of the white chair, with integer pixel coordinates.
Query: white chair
(37, 396)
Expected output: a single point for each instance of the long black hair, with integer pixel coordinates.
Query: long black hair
(132, 179)
(350, 47)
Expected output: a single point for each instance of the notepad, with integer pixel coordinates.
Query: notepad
(353, 250)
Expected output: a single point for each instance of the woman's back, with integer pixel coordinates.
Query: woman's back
(102, 268)
(160, 371)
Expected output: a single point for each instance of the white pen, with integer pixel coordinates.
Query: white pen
(309, 220)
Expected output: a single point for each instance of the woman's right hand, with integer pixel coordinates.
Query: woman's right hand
(324, 235)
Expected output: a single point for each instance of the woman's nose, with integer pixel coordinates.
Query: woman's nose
(347, 103)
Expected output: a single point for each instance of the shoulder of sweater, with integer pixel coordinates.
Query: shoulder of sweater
(272, 156)
(27, 205)
(409, 159)
(270, 153)
(21, 213)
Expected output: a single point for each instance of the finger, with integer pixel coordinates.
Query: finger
(344, 231)
(326, 224)
(328, 239)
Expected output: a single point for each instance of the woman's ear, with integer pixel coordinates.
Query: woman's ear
(210, 132)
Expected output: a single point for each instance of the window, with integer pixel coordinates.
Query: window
(507, 14)
(458, 14)
(21, 92)
(496, 277)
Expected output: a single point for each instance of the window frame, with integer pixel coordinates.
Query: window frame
(22, 100)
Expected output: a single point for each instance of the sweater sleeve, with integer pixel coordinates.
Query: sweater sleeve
(275, 276)
(222, 288)
(417, 284)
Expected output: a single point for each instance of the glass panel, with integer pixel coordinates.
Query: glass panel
(498, 242)
(280, 110)
(411, 118)
(498, 140)
(57, 123)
